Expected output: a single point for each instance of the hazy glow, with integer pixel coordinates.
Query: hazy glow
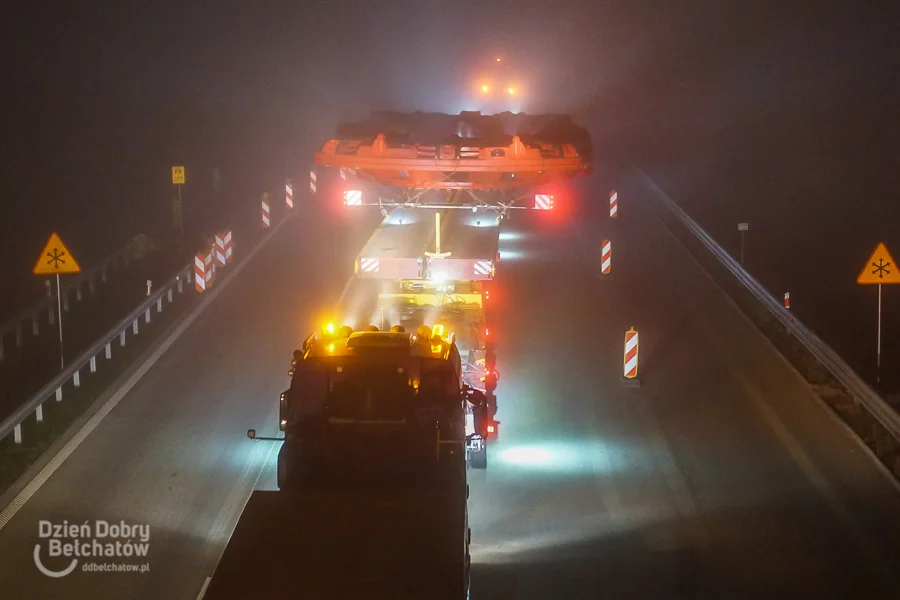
(564, 457)
(510, 236)
(533, 456)
(512, 255)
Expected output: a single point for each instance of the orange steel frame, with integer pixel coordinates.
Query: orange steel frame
(479, 168)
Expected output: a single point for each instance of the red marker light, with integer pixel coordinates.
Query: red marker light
(487, 332)
(490, 429)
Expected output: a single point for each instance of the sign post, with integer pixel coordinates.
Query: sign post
(55, 259)
(742, 227)
(880, 269)
(177, 215)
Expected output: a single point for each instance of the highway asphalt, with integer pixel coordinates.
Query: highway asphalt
(721, 476)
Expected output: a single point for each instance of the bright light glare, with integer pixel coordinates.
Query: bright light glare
(511, 255)
(528, 456)
(485, 89)
(506, 236)
(511, 91)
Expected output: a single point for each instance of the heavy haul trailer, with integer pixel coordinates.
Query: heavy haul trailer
(372, 499)
(499, 162)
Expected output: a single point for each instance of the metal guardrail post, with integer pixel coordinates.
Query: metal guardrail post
(13, 423)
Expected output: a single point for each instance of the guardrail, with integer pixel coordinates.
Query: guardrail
(88, 358)
(868, 397)
(75, 284)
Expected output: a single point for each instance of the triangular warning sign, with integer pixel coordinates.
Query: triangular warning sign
(55, 258)
(881, 268)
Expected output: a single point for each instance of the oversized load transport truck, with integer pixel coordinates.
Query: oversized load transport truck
(372, 476)
(443, 279)
(470, 170)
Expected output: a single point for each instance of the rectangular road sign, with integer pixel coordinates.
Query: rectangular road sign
(743, 226)
(178, 175)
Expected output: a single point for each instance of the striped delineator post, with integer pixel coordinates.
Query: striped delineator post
(613, 204)
(787, 305)
(606, 257)
(312, 182)
(266, 220)
(210, 267)
(226, 238)
(220, 249)
(289, 193)
(631, 354)
(200, 272)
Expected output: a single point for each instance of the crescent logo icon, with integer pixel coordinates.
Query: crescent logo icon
(48, 572)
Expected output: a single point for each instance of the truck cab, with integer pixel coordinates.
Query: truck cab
(381, 403)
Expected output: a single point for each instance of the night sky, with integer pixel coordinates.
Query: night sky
(784, 116)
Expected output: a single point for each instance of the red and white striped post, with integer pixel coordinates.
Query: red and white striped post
(613, 204)
(289, 194)
(226, 238)
(606, 257)
(200, 272)
(787, 304)
(210, 269)
(631, 354)
(312, 182)
(220, 249)
(266, 221)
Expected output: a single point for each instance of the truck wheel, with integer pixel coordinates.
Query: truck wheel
(283, 474)
(479, 459)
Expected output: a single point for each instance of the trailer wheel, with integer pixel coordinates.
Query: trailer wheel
(479, 459)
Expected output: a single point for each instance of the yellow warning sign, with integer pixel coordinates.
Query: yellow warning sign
(178, 175)
(880, 268)
(55, 258)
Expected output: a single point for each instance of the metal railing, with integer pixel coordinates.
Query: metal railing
(868, 397)
(47, 304)
(88, 358)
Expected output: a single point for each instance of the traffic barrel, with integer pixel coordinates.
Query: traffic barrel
(630, 361)
(200, 272)
(312, 182)
(606, 257)
(289, 194)
(613, 204)
(266, 221)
